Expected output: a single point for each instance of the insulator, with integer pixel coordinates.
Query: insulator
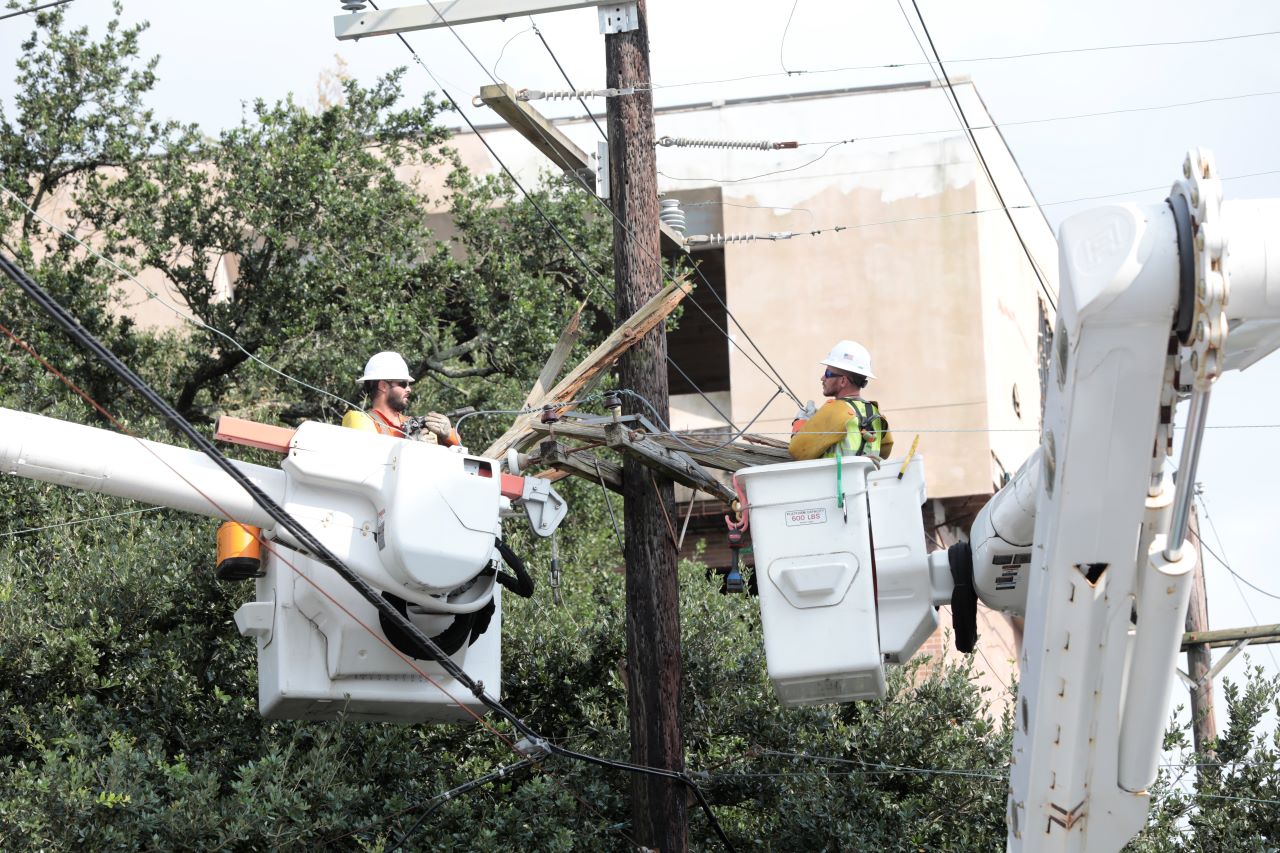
(723, 239)
(571, 94)
(353, 5)
(671, 215)
(682, 142)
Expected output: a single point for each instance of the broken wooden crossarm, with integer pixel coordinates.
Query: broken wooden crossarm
(586, 465)
(729, 458)
(601, 359)
(673, 464)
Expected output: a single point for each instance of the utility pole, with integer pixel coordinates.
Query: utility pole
(658, 805)
(1204, 727)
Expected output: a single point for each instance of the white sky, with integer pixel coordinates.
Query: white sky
(217, 56)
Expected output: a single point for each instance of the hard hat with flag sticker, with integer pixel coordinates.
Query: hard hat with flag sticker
(386, 365)
(850, 356)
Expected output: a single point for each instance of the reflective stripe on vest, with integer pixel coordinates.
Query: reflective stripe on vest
(863, 415)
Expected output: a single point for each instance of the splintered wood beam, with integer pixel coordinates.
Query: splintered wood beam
(670, 463)
(731, 458)
(568, 337)
(581, 463)
(673, 464)
(653, 312)
(558, 148)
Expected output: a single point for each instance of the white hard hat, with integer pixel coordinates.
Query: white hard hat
(850, 356)
(386, 365)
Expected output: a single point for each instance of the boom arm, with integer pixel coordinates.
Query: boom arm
(1103, 629)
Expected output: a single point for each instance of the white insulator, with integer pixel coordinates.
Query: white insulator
(671, 215)
(353, 5)
(682, 142)
(572, 94)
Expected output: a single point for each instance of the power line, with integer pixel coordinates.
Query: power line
(78, 521)
(782, 42)
(1233, 572)
(992, 126)
(954, 101)
(33, 9)
(1199, 495)
(1014, 56)
(440, 799)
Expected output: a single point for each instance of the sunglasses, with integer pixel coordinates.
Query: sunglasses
(829, 374)
(399, 383)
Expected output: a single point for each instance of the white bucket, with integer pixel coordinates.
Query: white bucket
(813, 570)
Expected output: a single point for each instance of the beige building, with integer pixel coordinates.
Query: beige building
(881, 226)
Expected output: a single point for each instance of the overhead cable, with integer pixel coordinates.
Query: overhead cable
(954, 100)
(895, 65)
(77, 521)
(28, 11)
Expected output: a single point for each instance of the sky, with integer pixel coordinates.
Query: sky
(1155, 102)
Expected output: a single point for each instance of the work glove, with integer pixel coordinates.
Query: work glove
(438, 425)
(803, 415)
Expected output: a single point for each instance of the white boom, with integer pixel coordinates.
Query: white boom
(416, 521)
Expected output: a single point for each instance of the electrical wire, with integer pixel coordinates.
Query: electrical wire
(440, 799)
(33, 9)
(782, 42)
(565, 75)
(817, 232)
(423, 647)
(954, 101)
(805, 165)
(77, 521)
(1233, 572)
(895, 65)
(1199, 496)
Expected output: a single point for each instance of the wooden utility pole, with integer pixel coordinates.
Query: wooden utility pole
(659, 815)
(1204, 727)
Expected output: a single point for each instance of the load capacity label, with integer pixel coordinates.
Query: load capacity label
(797, 517)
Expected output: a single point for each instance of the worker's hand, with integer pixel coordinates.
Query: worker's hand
(438, 425)
(802, 416)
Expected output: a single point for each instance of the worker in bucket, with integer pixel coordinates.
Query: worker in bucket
(847, 424)
(387, 386)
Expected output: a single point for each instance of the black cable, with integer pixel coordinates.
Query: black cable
(567, 81)
(33, 9)
(522, 583)
(1231, 571)
(977, 150)
(421, 644)
(440, 799)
